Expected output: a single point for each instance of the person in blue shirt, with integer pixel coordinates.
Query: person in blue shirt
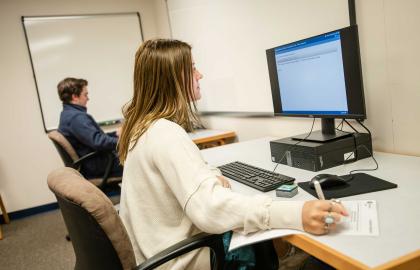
(82, 131)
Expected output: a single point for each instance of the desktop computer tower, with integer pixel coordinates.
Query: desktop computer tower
(316, 156)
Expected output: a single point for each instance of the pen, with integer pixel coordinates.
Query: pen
(321, 196)
(318, 190)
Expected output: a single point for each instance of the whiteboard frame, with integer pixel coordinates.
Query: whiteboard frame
(71, 16)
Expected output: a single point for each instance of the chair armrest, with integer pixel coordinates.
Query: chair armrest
(85, 157)
(108, 165)
(213, 241)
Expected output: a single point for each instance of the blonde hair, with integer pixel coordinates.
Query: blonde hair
(163, 88)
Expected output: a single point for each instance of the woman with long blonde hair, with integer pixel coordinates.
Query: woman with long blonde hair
(169, 193)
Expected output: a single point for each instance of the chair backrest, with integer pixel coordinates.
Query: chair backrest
(99, 238)
(64, 148)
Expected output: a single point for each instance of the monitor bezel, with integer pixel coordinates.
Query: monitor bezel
(352, 75)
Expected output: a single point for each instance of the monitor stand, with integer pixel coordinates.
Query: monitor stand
(328, 132)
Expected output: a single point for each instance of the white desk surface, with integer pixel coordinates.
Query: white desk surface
(398, 209)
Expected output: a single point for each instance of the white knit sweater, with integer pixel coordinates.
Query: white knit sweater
(169, 193)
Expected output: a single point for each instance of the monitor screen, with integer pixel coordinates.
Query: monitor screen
(318, 76)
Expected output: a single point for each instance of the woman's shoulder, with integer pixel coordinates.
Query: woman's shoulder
(164, 134)
(164, 128)
(163, 123)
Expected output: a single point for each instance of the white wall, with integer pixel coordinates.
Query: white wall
(26, 154)
(389, 43)
(230, 39)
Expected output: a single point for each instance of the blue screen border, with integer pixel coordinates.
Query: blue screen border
(307, 42)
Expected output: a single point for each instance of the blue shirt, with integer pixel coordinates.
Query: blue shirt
(85, 135)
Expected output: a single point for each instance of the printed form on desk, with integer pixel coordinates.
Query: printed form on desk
(362, 220)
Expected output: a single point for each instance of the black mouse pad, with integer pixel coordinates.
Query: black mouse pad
(359, 184)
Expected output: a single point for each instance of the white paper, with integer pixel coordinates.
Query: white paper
(362, 220)
(239, 240)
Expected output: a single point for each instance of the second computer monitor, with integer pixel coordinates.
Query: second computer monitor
(319, 76)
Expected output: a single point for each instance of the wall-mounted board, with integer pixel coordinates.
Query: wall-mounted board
(99, 48)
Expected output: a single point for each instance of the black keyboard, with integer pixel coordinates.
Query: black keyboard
(254, 177)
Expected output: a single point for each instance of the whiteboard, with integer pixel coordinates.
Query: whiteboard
(98, 48)
(230, 37)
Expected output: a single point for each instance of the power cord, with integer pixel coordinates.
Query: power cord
(360, 123)
(355, 130)
(366, 170)
(356, 147)
(290, 147)
(340, 126)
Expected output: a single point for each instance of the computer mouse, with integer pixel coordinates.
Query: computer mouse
(327, 180)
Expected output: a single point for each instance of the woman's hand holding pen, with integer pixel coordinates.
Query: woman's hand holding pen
(321, 216)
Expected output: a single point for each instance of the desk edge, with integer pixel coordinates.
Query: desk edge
(406, 262)
(226, 135)
(325, 253)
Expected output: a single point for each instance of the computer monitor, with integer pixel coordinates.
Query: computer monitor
(320, 76)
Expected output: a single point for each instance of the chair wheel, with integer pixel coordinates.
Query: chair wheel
(68, 237)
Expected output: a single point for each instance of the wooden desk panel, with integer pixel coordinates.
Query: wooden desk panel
(209, 138)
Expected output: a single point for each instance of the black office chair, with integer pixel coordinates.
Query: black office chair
(99, 238)
(72, 160)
